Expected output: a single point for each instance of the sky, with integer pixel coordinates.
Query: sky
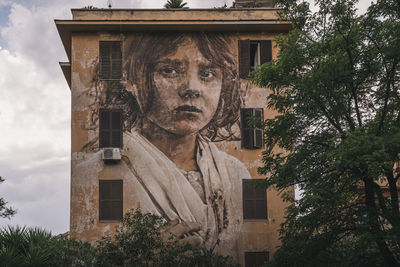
(35, 107)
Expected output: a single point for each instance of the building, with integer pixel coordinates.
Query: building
(160, 109)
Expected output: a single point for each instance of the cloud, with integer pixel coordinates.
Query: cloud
(35, 143)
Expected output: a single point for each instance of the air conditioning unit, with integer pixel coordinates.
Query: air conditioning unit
(111, 154)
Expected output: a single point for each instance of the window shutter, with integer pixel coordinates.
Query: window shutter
(105, 60)
(248, 206)
(244, 58)
(104, 131)
(246, 131)
(250, 259)
(116, 61)
(110, 60)
(116, 128)
(110, 124)
(256, 259)
(110, 200)
(254, 200)
(265, 51)
(259, 133)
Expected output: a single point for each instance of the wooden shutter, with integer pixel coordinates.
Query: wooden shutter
(116, 128)
(110, 124)
(116, 61)
(105, 60)
(259, 133)
(248, 203)
(265, 51)
(110, 60)
(110, 200)
(244, 58)
(254, 200)
(260, 199)
(104, 131)
(246, 131)
(255, 259)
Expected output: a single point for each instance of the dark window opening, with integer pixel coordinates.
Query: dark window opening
(252, 138)
(255, 259)
(254, 200)
(110, 124)
(253, 53)
(110, 60)
(110, 200)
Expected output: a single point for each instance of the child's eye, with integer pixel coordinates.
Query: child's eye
(207, 74)
(168, 70)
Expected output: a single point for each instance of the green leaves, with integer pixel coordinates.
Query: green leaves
(142, 241)
(335, 85)
(34, 247)
(139, 241)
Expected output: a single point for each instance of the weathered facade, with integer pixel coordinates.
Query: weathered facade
(166, 91)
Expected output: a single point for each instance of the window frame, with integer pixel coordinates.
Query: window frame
(110, 45)
(244, 54)
(252, 134)
(246, 217)
(120, 199)
(110, 129)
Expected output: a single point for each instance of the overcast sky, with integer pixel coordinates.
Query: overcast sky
(35, 107)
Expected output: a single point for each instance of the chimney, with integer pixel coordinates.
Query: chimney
(253, 3)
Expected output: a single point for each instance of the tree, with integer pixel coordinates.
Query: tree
(141, 240)
(175, 4)
(20, 246)
(137, 242)
(335, 85)
(5, 212)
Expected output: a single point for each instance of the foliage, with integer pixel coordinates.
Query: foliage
(21, 247)
(90, 7)
(336, 86)
(5, 212)
(137, 242)
(140, 242)
(175, 4)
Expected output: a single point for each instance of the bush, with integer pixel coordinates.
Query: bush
(137, 242)
(140, 242)
(20, 246)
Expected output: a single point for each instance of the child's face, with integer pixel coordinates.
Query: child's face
(186, 91)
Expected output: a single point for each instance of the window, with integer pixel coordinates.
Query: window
(255, 259)
(254, 200)
(110, 132)
(110, 60)
(252, 54)
(252, 138)
(110, 200)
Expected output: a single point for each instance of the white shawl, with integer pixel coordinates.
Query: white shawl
(174, 198)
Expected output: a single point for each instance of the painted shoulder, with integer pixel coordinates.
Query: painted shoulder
(235, 167)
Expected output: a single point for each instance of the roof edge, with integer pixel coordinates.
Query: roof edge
(175, 9)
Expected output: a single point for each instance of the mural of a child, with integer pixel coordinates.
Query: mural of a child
(179, 96)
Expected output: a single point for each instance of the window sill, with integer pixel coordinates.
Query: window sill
(110, 221)
(256, 220)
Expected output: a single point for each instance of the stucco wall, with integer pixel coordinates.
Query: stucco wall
(89, 94)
